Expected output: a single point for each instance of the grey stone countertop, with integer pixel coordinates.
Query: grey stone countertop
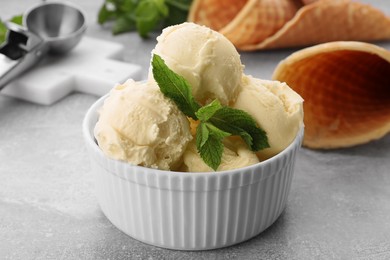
(338, 207)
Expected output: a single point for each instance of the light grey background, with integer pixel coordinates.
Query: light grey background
(338, 208)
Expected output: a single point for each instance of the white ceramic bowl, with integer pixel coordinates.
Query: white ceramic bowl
(190, 211)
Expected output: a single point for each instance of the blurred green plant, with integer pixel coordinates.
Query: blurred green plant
(18, 19)
(143, 16)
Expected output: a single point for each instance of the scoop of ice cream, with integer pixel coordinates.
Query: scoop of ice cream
(236, 154)
(205, 58)
(138, 124)
(275, 107)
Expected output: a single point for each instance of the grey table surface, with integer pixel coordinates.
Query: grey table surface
(338, 207)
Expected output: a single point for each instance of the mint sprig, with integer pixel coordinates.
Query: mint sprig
(216, 121)
(143, 16)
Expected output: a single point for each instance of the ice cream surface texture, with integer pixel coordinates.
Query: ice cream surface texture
(205, 58)
(138, 124)
(276, 108)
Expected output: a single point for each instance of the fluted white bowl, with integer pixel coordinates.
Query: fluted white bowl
(187, 210)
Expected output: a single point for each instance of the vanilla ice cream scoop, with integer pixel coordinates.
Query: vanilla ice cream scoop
(236, 154)
(205, 58)
(276, 108)
(138, 124)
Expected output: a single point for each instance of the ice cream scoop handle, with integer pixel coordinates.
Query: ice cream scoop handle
(19, 52)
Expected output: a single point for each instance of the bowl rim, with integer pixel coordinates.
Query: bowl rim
(88, 126)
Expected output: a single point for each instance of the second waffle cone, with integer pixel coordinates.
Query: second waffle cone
(346, 88)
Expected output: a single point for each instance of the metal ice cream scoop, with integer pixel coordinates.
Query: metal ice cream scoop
(50, 27)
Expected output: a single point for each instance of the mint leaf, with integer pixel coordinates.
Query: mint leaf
(238, 122)
(3, 32)
(148, 13)
(105, 14)
(125, 7)
(18, 19)
(178, 12)
(145, 15)
(209, 144)
(202, 135)
(123, 24)
(207, 111)
(211, 152)
(215, 131)
(161, 7)
(183, 5)
(174, 87)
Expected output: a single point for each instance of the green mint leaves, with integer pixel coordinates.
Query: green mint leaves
(209, 144)
(143, 15)
(3, 28)
(238, 122)
(174, 87)
(215, 121)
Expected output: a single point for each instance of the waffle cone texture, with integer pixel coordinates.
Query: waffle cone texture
(190, 211)
(346, 88)
(270, 24)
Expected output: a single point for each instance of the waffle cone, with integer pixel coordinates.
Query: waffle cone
(271, 24)
(346, 88)
(329, 20)
(215, 14)
(307, 2)
(258, 20)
